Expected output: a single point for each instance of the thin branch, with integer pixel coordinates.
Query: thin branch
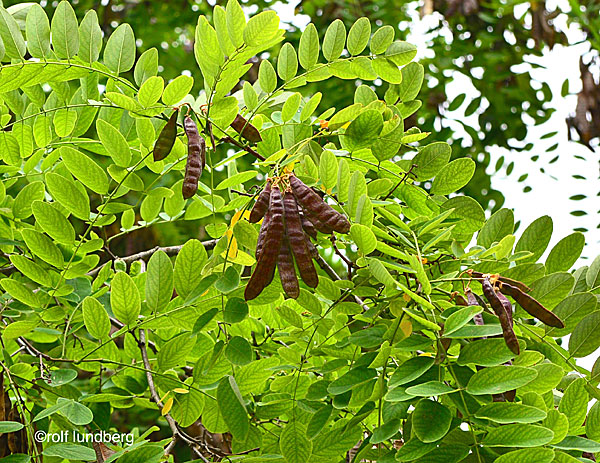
(334, 276)
(247, 149)
(170, 250)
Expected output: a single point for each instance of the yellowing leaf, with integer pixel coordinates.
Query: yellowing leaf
(167, 407)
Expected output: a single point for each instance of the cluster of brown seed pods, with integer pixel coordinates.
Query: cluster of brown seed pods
(495, 289)
(292, 213)
(196, 158)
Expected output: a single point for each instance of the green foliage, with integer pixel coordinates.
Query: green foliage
(380, 353)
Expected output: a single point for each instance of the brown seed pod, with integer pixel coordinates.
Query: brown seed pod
(313, 204)
(308, 226)
(472, 300)
(245, 129)
(507, 306)
(312, 249)
(317, 224)
(297, 240)
(261, 205)
(532, 306)
(166, 139)
(287, 271)
(267, 258)
(261, 235)
(193, 166)
(500, 311)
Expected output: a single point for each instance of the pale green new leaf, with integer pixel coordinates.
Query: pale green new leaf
(90, 37)
(159, 281)
(95, 318)
(125, 298)
(119, 54)
(65, 32)
(37, 28)
(335, 38)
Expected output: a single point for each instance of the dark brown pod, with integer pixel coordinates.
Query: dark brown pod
(317, 224)
(472, 300)
(287, 271)
(261, 205)
(267, 258)
(532, 306)
(166, 139)
(312, 249)
(297, 240)
(308, 226)
(245, 129)
(500, 311)
(193, 166)
(261, 235)
(507, 306)
(314, 205)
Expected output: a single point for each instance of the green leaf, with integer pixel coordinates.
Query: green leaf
(387, 70)
(355, 377)
(499, 225)
(592, 276)
(232, 407)
(236, 310)
(453, 176)
(187, 408)
(460, 318)
(518, 435)
(151, 91)
(358, 37)
(177, 89)
(410, 370)
(565, 253)
(364, 129)
(26, 197)
(535, 238)
(356, 188)
(431, 159)
(539, 455)
(114, 142)
(267, 77)
(20, 292)
(310, 106)
(43, 247)
(578, 443)
(592, 423)
(66, 192)
(65, 33)
(236, 179)
(90, 37)
(70, 451)
(75, 412)
(558, 423)
(498, 379)
(401, 53)
(585, 339)
(159, 281)
(468, 213)
(236, 23)
(119, 54)
(574, 403)
(508, 412)
(294, 444)
(53, 222)
(188, 266)
(146, 66)
(85, 170)
(125, 298)
(64, 121)
(95, 318)
(287, 62)
(385, 431)
(364, 211)
(14, 45)
(412, 79)
(238, 351)
(290, 107)
(429, 389)
(175, 351)
(10, 426)
(32, 270)
(364, 238)
(37, 29)
(431, 420)
(250, 96)
(328, 169)
(382, 39)
(549, 376)
(335, 38)
(261, 28)
(308, 51)
(571, 311)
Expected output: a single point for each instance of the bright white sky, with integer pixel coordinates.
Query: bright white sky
(552, 189)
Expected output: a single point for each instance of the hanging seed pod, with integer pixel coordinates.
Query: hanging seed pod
(261, 205)
(166, 138)
(507, 306)
(297, 239)
(532, 306)
(471, 300)
(315, 206)
(308, 226)
(500, 311)
(193, 166)
(317, 224)
(261, 235)
(287, 271)
(245, 129)
(267, 258)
